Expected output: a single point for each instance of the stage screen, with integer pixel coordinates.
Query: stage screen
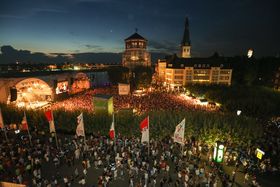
(61, 87)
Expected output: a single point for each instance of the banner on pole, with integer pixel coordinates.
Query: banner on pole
(180, 132)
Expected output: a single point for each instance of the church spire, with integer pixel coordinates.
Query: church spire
(186, 38)
(186, 42)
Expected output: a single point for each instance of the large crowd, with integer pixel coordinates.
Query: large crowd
(156, 100)
(99, 161)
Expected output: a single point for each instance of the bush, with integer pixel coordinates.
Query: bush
(204, 126)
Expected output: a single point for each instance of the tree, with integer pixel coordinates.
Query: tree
(142, 76)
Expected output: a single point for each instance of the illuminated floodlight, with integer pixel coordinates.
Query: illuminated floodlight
(218, 154)
(238, 112)
(17, 131)
(250, 53)
(259, 153)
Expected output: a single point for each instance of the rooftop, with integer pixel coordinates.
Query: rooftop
(202, 63)
(135, 36)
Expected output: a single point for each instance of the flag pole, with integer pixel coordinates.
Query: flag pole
(3, 126)
(114, 136)
(114, 129)
(182, 149)
(5, 132)
(84, 130)
(149, 136)
(55, 133)
(183, 139)
(28, 129)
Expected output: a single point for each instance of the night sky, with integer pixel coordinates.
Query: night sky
(76, 26)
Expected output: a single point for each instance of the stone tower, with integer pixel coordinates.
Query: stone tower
(136, 53)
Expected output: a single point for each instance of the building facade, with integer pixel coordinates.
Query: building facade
(176, 71)
(136, 53)
(183, 70)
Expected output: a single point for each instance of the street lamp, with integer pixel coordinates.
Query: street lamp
(238, 112)
(218, 152)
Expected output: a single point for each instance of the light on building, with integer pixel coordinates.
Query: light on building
(218, 152)
(77, 67)
(250, 53)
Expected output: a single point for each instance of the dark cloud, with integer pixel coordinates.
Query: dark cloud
(91, 46)
(9, 55)
(165, 46)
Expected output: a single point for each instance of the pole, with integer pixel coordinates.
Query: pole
(84, 131)
(115, 146)
(56, 142)
(28, 129)
(5, 133)
(182, 149)
(114, 129)
(149, 136)
(2, 125)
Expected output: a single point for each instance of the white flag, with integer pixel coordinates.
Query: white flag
(180, 132)
(80, 131)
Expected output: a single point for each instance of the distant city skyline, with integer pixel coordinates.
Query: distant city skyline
(79, 26)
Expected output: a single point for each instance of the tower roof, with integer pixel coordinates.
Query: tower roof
(186, 38)
(135, 36)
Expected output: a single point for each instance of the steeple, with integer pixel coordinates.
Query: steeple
(186, 43)
(186, 38)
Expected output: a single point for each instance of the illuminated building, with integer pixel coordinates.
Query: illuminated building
(176, 71)
(136, 53)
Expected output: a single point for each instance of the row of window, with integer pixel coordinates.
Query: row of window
(135, 44)
(178, 77)
(224, 72)
(179, 71)
(201, 71)
(201, 77)
(224, 77)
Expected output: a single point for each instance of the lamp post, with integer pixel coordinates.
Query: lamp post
(218, 152)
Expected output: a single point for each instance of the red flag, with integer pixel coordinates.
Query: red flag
(49, 115)
(24, 125)
(144, 124)
(144, 127)
(112, 131)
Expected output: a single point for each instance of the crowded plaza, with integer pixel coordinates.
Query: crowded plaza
(42, 158)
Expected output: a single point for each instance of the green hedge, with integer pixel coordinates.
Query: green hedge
(205, 126)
